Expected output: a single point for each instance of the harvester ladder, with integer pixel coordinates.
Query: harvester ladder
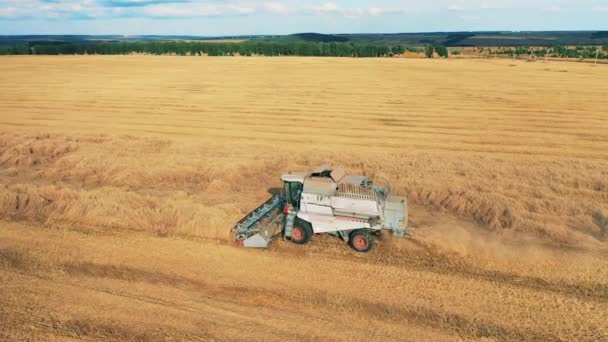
(290, 219)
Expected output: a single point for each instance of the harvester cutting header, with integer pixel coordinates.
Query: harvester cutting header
(325, 200)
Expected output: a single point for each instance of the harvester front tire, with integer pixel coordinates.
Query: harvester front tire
(361, 241)
(301, 233)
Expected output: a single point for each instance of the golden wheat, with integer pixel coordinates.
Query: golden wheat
(120, 178)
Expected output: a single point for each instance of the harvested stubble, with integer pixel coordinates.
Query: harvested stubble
(116, 198)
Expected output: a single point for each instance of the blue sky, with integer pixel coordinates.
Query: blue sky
(235, 17)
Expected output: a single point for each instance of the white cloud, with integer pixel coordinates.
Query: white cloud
(195, 10)
(455, 8)
(493, 4)
(331, 8)
(375, 11)
(54, 9)
(180, 8)
(8, 12)
(276, 8)
(470, 17)
(553, 9)
(73, 9)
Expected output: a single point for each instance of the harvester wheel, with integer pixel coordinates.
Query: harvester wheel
(301, 233)
(361, 240)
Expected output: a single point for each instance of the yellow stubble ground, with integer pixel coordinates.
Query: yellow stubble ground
(122, 175)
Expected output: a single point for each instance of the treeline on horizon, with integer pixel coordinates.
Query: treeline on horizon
(246, 48)
(586, 52)
(281, 48)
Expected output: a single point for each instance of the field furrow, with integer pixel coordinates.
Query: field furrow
(121, 177)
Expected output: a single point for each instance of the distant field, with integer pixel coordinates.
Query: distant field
(505, 107)
(121, 176)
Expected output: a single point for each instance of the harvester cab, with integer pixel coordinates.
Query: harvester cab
(328, 201)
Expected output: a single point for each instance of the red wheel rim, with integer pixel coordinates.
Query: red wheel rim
(360, 242)
(297, 233)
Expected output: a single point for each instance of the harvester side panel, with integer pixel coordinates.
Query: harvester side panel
(331, 223)
(395, 214)
(359, 207)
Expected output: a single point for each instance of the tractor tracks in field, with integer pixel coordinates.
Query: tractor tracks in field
(88, 328)
(428, 258)
(279, 300)
(424, 257)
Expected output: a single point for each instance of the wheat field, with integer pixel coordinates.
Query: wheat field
(121, 176)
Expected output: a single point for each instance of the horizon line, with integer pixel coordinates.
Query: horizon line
(304, 32)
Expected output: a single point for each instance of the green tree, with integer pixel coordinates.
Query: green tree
(247, 48)
(429, 51)
(442, 51)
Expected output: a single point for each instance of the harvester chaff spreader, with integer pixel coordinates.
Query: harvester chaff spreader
(325, 200)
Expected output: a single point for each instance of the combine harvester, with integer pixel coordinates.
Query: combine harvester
(325, 201)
